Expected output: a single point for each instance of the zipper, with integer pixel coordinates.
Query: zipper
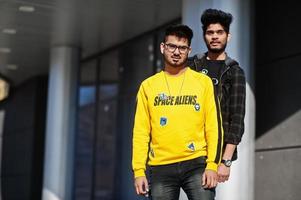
(220, 94)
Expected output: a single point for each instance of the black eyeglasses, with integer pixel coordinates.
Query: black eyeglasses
(172, 48)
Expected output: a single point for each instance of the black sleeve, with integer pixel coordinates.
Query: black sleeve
(237, 106)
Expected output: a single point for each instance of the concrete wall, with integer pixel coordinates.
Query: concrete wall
(278, 100)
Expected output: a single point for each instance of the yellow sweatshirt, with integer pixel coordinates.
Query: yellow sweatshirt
(176, 120)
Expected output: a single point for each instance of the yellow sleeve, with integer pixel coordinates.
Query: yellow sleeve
(213, 129)
(141, 134)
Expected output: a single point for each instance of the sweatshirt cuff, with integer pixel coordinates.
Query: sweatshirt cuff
(139, 172)
(212, 166)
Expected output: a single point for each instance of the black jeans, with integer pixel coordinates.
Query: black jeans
(166, 181)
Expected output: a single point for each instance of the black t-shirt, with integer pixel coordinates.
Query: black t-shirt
(213, 70)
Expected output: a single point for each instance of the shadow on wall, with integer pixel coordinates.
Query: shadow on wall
(278, 57)
(278, 93)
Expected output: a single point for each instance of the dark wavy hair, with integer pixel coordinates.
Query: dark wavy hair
(214, 16)
(179, 30)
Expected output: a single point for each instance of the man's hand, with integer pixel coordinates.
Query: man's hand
(141, 185)
(209, 179)
(223, 173)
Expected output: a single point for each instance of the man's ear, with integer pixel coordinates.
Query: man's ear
(162, 47)
(229, 37)
(189, 51)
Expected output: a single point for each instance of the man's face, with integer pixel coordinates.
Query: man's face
(216, 38)
(175, 50)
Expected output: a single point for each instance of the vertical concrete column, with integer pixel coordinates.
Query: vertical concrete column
(241, 183)
(60, 128)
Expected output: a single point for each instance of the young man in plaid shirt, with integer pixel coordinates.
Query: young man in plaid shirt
(228, 79)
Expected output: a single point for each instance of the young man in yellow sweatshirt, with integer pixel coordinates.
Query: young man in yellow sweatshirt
(176, 129)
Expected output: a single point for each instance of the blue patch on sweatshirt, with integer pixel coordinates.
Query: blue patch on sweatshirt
(163, 96)
(191, 146)
(197, 107)
(163, 121)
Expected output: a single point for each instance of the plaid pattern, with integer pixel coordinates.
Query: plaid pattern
(232, 96)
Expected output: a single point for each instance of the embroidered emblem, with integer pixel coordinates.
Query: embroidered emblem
(152, 153)
(197, 107)
(163, 121)
(215, 81)
(204, 71)
(191, 146)
(163, 96)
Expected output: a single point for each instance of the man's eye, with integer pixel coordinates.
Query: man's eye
(220, 32)
(172, 46)
(182, 48)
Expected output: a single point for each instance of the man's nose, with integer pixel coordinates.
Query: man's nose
(177, 51)
(215, 35)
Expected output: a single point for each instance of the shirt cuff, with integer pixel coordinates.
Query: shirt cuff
(212, 166)
(139, 172)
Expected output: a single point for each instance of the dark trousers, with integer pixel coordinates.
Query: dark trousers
(166, 181)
